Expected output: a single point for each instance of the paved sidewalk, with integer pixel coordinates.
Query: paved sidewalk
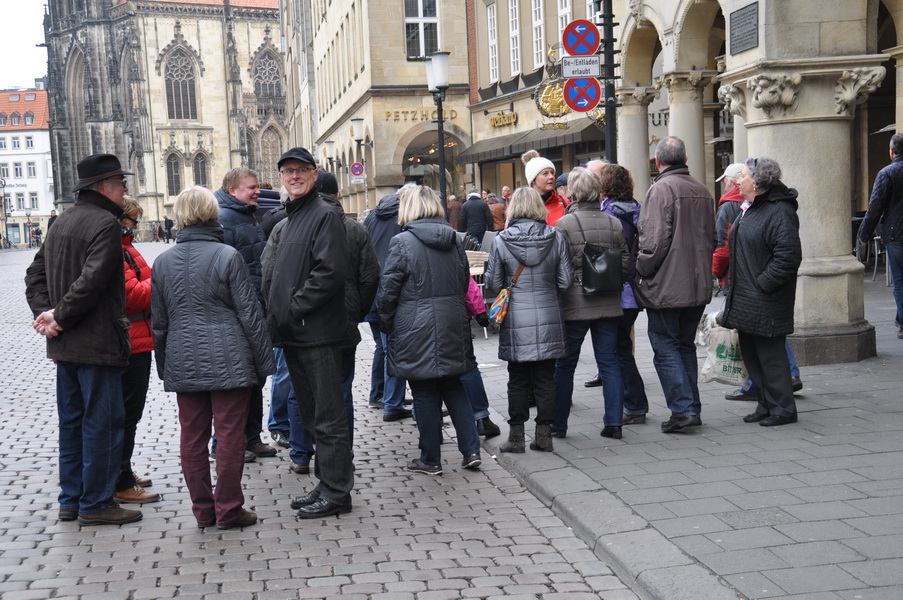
(410, 537)
(808, 511)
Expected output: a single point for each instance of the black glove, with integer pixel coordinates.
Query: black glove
(482, 319)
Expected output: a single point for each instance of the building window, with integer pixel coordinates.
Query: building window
(7, 203)
(2, 119)
(29, 97)
(32, 171)
(33, 199)
(564, 16)
(15, 143)
(267, 78)
(421, 27)
(4, 171)
(14, 119)
(591, 10)
(17, 170)
(180, 92)
(173, 175)
(29, 142)
(20, 200)
(514, 35)
(14, 98)
(200, 170)
(539, 34)
(29, 118)
(3, 143)
(493, 32)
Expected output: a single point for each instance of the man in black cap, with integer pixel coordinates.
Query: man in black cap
(307, 318)
(76, 290)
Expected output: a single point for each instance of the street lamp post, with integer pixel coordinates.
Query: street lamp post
(437, 83)
(4, 214)
(330, 152)
(357, 133)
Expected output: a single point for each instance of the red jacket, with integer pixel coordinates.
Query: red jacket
(137, 297)
(556, 205)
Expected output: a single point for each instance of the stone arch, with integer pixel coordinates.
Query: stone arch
(699, 39)
(641, 43)
(174, 166)
(200, 168)
(76, 75)
(178, 43)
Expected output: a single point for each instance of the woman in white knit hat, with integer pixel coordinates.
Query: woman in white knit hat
(541, 177)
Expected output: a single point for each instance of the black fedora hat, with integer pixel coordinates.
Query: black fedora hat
(97, 167)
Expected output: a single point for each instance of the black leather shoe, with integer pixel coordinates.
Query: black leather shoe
(68, 514)
(797, 383)
(323, 508)
(280, 437)
(633, 419)
(398, 415)
(485, 427)
(559, 433)
(775, 420)
(755, 417)
(611, 431)
(678, 423)
(594, 382)
(306, 500)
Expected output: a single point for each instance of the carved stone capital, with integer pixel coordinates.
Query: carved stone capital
(636, 11)
(686, 81)
(637, 96)
(775, 93)
(854, 86)
(733, 99)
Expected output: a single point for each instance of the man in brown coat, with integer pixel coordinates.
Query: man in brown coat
(674, 276)
(76, 290)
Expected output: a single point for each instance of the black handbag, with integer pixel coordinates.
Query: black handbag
(601, 273)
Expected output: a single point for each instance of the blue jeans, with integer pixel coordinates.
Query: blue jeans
(378, 370)
(794, 369)
(429, 394)
(301, 443)
(895, 264)
(635, 400)
(604, 333)
(281, 385)
(393, 390)
(672, 333)
(473, 386)
(92, 420)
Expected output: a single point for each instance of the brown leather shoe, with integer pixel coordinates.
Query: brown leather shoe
(111, 515)
(136, 495)
(142, 481)
(68, 514)
(245, 518)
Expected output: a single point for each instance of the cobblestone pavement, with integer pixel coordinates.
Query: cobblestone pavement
(463, 535)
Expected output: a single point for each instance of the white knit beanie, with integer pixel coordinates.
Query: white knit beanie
(536, 165)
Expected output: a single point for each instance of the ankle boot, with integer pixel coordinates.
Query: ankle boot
(543, 439)
(485, 427)
(515, 441)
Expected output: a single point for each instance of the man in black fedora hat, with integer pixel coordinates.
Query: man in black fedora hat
(76, 290)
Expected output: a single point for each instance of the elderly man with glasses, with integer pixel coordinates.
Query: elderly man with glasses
(307, 318)
(76, 289)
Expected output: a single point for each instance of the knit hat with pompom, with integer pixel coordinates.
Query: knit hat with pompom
(535, 164)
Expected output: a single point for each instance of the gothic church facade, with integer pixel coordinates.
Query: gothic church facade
(181, 91)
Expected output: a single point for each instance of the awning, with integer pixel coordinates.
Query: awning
(483, 150)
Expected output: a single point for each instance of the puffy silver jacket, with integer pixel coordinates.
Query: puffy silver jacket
(534, 327)
(209, 329)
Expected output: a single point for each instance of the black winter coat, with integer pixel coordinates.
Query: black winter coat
(243, 233)
(78, 271)
(475, 219)
(421, 302)
(306, 303)
(765, 255)
(886, 204)
(209, 329)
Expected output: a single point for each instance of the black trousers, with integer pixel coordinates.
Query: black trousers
(769, 368)
(316, 375)
(537, 378)
(135, 380)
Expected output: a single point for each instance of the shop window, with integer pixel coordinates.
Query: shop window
(421, 27)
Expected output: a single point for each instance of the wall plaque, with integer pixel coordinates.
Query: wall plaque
(744, 27)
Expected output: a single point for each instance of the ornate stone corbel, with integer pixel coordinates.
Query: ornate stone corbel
(733, 99)
(636, 11)
(640, 96)
(687, 81)
(776, 94)
(854, 86)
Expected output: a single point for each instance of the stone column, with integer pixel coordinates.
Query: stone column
(735, 101)
(897, 54)
(685, 99)
(633, 134)
(801, 115)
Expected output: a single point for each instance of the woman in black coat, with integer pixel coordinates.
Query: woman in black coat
(421, 308)
(212, 348)
(765, 256)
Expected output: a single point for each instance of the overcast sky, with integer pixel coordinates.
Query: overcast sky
(20, 29)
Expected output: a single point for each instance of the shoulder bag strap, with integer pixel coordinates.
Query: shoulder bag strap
(517, 273)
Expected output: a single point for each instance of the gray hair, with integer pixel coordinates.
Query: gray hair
(671, 151)
(896, 142)
(584, 185)
(764, 171)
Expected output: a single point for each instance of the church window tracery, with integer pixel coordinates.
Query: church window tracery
(267, 77)
(180, 86)
(173, 175)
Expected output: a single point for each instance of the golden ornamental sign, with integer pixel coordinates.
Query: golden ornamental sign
(549, 98)
(500, 120)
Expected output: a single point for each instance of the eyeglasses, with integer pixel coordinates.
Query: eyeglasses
(119, 181)
(304, 170)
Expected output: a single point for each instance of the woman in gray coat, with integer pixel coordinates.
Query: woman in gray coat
(212, 348)
(597, 314)
(532, 336)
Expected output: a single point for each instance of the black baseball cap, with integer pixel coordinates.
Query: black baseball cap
(297, 154)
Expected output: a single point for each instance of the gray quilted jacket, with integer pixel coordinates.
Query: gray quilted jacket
(209, 329)
(534, 327)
